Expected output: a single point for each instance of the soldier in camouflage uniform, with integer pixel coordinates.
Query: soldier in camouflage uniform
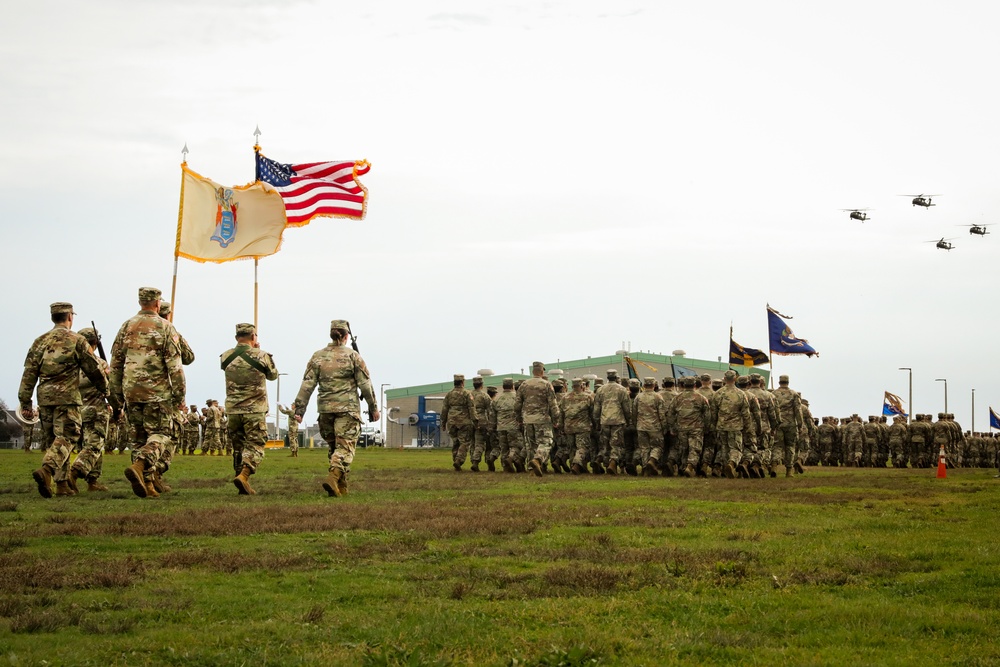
(897, 441)
(340, 373)
(459, 419)
(560, 455)
(787, 436)
(649, 418)
(703, 386)
(492, 442)
(854, 438)
(481, 432)
(247, 369)
(630, 437)
(730, 414)
(192, 430)
(187, 354)
(212, 444)
(537, 410)
(28, 430)
(687, 418)
(146, 374)
(612, 410)
(577, 424)
(769, 421)
(54, 362)
(943, 438)
(826, 441)
(807, 439)
(668, 392)
(749, 465)
(503, 421)
(94, 415)
(293, 430)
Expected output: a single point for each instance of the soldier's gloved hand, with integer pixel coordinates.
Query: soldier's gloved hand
(27, 411)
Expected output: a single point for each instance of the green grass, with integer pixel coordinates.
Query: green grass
(420, 565)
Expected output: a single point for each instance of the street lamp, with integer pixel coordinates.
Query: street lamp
(972, 426)
(909, 416)
(945, 380)
(277, 410)
(383, 414)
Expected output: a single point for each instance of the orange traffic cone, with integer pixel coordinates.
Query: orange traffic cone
(942, 468)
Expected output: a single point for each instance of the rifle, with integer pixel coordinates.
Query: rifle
(354, 346)
(100, 345)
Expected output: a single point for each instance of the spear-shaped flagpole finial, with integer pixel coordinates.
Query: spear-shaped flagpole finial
(184, 152)
(256, 137)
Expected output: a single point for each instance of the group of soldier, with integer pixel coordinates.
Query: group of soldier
(731, 428)
(137, 401)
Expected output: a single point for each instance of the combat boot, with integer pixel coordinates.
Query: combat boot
(713, 471)
(295, 453)
(771, 471)
(491, 466)
(577, 469)
(342, 484)
(798, 468)
(744, 471)
(74, 475)
(457, 466)
(788, 471)
(332, 485)
(151, 491)
(94, 485)
(474, 467)
(597, 467)
(689, 471)
(157, 481)
(556, 468)
(507, 466)
(519, 466)
(729, 470)
(242, 482)
(651, 469)
(612, 467)
(671, 470)
(134, 475)
(64, 489)
(632, 470)
(536, 467)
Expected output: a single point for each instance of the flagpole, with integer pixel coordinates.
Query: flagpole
(256, 179)
(177, 241)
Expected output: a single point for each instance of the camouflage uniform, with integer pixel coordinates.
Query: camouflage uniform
(225, 443)
(943, 438)
(340, 373)
(28, 430)
(688, 417)
(212, 444)
(827, 442)
(146, 375)
(293, 430)
(481, 433)
(854, 439)
(870, 454)
(649, 417)
(459, 418)
(703, 386)
(769, 420)
(537, 410)
(750, 462)
(730, 414)
(577, 424)
(192, 429)
(897, 441)
(612, 410)
(668, 393)
(787, 436)
(503, 420)
(95, 413)
(807, 437)
(54, 362)
(247, 369)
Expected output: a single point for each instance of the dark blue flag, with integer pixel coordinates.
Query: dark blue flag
(745, 356)
(684, 372)
(783, 341)
(893, 406)
(994, 419)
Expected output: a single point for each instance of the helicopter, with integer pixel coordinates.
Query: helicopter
(942, 244)
(977, 229)
(922, 200)
(857, 213)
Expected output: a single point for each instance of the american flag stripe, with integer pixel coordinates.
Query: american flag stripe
(315, 189)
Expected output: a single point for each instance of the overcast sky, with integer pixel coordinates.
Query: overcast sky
(548, 180)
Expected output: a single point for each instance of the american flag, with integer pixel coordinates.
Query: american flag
(313, 189)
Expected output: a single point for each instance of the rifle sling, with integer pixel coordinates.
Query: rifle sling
(256, 365)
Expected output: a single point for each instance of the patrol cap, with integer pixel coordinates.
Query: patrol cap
(633, 382)
(458, 377)
(91, 335)
(208, 402)
(705, 377)
(245, 329)
(689, 381)
(149, 294)
(648, 382)
(577, 382)
(668, 382)
(612, 373)
(730, 374)
(477, 379)
(537, 366)
(164, 308)
(756, 378)
(60, 307)
(782, 379)
(508, 383)
(742, 381)
(491, 390)
(339, 324)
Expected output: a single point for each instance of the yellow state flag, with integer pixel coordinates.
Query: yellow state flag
(219, 224)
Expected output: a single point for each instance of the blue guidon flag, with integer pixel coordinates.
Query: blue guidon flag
(893, 406)
(994, 419)
(782, 340)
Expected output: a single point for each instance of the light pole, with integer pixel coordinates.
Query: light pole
(277, 410)
(383, 414)
(909, 415)
(972, 426)
(945, 380)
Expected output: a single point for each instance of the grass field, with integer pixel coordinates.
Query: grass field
(420, 565)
